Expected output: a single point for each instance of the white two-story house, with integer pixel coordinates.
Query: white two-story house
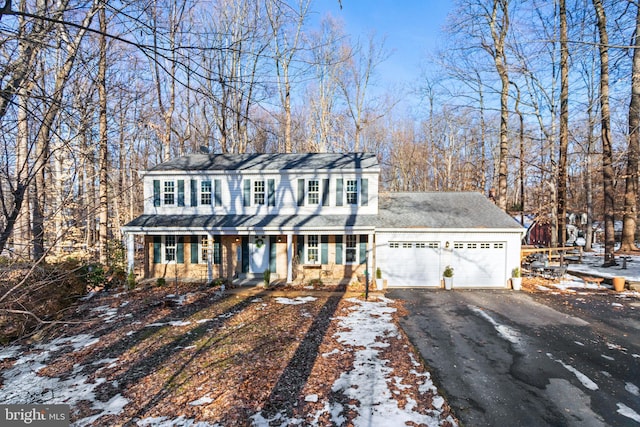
(316, 215)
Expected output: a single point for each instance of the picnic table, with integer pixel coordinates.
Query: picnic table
(540, 268)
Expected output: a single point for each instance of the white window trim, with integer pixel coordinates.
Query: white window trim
(357, 191)
(210, 192)
(318, 193)
(164, 192)
(346, 248)
(307, 246)
(254, 193)
(165, 247)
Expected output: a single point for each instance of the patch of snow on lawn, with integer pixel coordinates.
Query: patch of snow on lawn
(366, 329)
(23, 385)
(586, 381)
(295, 301)
(628, 412)
(176, 422)
(202, 401)
(9, 352)
(109, 313)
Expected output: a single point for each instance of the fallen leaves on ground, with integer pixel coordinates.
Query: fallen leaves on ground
(189, 353)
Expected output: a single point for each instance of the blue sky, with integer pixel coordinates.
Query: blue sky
(412, 28)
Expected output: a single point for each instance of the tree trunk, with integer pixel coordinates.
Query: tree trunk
(499, 27)
(104, 152)
(22, 231)
(605, 133)
(631, 186)
(564, 126)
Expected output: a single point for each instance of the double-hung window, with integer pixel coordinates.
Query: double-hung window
(351, 249)
(313, 191)
(258, 192)
(169, 192)
(204, 249)
(205, 193)
(352, 191)
(312, 249)
(170, 248)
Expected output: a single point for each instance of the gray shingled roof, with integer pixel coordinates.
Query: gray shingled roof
(276, 162)
(441, 210)
(436, 210)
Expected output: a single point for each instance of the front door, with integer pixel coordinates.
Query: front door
(259, 254)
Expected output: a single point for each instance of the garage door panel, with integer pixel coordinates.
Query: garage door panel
(479, 264)
(410, 263)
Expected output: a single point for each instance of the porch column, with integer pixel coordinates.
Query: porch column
(370, 257)
(210, 246)
(130, 251)
(289, 258)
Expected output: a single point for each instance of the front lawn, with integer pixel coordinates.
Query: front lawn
(204, 358)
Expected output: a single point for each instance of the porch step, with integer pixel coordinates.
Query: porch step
(252, 279)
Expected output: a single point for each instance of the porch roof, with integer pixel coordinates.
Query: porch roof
(150, 223)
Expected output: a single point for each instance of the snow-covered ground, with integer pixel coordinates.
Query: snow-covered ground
(592, 266)
(365, 331)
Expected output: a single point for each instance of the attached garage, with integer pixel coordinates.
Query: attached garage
(419, 234)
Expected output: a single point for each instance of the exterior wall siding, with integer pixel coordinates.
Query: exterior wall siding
(286, 194)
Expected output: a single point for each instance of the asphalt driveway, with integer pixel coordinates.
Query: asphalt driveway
(511, 358)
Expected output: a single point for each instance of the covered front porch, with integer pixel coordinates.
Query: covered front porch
(208, 255)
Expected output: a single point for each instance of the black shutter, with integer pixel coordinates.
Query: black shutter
(301, 192)
(181, 192)
(156, 192)
(246, 201)
(194, 192)
(217, 192)
(364, 192)
(271, 186)
(325, 192)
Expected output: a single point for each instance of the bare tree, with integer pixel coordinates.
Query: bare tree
(355, 83)
(286, 25)
(498, 21)
(605, 135)
(564, 125)
(631, 183)
(104, 150)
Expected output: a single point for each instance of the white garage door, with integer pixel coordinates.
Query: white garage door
(479, 264)
(405, 263)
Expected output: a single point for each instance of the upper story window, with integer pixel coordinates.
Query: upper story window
(205, 193)
(169, 193)
(313, 191)
(258, 192)
(352, 191)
